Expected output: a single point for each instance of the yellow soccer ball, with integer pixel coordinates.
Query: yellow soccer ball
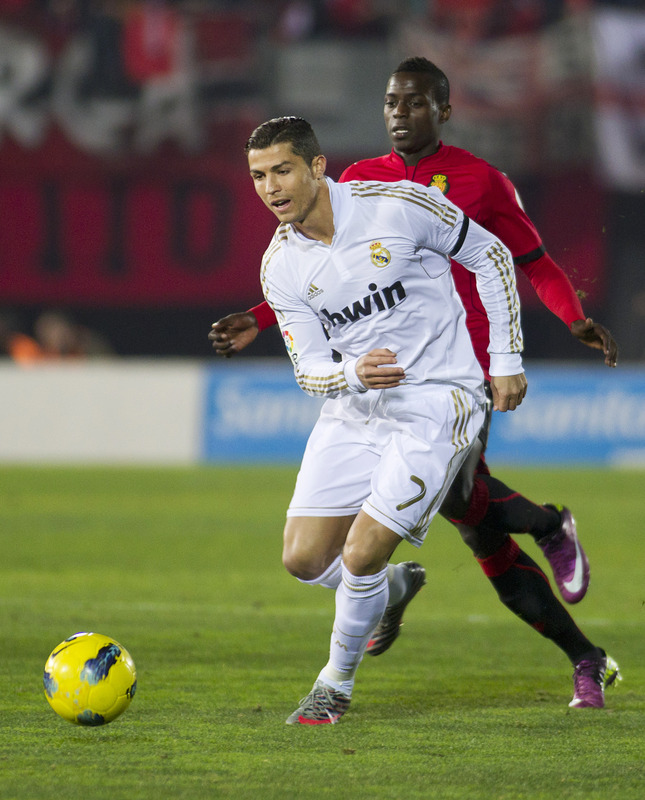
(89, 679)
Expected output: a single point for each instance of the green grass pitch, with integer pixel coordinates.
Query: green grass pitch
(182, 566)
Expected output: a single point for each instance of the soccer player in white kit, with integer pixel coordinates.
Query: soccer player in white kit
(362, 270)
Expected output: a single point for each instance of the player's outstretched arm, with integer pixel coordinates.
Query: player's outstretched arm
(508, 391)
(595, 335)
(233, 333)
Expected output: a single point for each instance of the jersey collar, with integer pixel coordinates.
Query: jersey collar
(397, 162)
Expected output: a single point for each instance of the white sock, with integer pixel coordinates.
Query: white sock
(360, 603)
(397, 578)
(336, 679)
(331, 576)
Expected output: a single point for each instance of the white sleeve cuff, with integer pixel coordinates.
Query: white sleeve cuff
(354, 383)
(502, 364)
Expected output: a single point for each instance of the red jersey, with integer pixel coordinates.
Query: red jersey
(487, 196)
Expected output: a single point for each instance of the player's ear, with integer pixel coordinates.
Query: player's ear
(318, 166)
(444, 114)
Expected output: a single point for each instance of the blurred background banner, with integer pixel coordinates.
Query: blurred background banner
(186, 412)
(619, 46)
(167, 231)
(125, 195)
(575, 414)
(571, 415)
(522, 92)
(256, 413)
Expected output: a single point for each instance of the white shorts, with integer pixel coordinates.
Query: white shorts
(393, 453)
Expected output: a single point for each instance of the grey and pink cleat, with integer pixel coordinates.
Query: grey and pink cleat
(389, 627)
(322, 706)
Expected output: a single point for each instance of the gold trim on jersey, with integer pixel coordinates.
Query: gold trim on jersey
(424, 521)
(281, 235)
(504, 266)
(460, 441)
(445, 214)
(464, 413)
(266, 258)
(321, 384)
(395, 521)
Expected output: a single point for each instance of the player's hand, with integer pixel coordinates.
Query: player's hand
(508, 391)
(376, 369)
(233, 333)
(597, 336)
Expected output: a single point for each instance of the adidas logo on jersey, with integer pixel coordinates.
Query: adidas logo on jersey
(313, 291)
(379, 300)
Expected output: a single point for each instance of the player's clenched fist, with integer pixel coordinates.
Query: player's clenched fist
(508, 391)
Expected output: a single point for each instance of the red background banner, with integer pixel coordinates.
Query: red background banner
(162, 230)
(175, 230)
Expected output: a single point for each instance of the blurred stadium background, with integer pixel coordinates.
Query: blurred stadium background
(129, 224)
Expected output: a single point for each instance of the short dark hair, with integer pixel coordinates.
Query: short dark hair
(441, 85)
(295, 130)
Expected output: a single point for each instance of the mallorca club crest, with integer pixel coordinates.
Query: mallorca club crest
(379, 256)
(441, 182)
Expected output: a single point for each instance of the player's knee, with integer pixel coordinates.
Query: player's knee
(299, 566)
(362, 557)
(310, 546)
(297, 557)
(305, 565)
(359, 562)
(472, 538)
(482, 542)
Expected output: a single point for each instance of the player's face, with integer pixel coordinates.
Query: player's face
(412, 115)
(286, 184)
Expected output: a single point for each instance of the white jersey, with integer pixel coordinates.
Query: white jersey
(385, 281)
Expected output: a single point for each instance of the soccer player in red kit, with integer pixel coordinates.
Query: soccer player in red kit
(483, 508)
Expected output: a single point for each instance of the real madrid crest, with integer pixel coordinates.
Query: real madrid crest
(379, 256)
(441, 182)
